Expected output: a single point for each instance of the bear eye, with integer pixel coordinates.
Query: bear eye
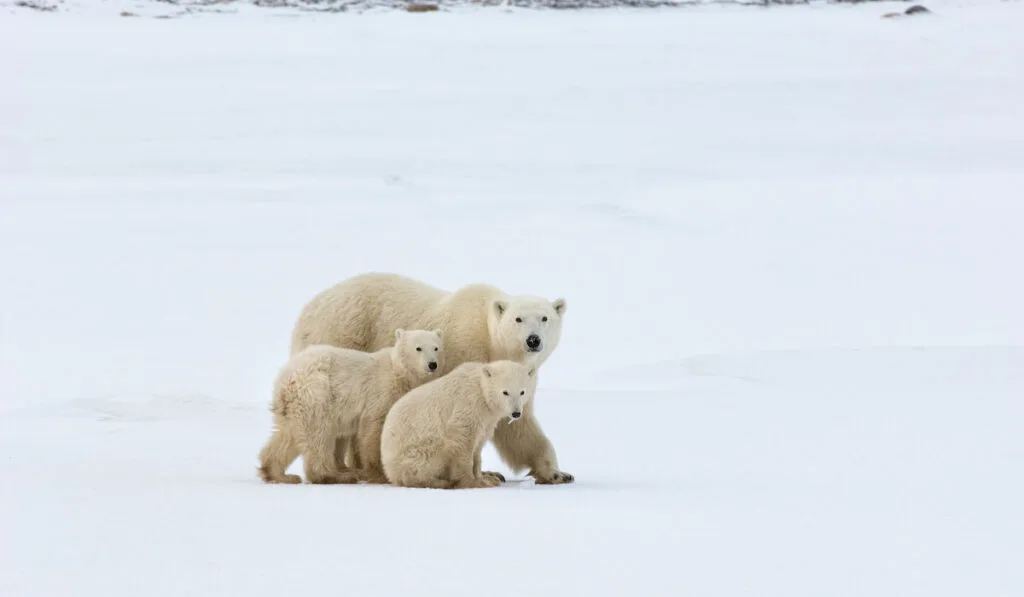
(519, 320)
(435, 349)
(521, 392)
(545, 318)
(418, 349)
(505, 392)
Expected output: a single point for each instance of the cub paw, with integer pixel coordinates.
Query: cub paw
(500, 478)
(481, 483)
(345, 478)
(375, 478)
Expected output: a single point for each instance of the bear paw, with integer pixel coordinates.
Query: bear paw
(555, 478)
(343, 478)
(500, 478)
(374, 478)
(481, 483)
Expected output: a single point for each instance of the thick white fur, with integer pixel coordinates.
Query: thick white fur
(480, 324)
(479, 321)
(328, 398)
(433, 435)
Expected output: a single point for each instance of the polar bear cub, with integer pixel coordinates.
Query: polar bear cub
(326, 396)
(434, 435)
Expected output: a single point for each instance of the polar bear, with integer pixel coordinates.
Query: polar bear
(480, 323)
(433, 435)
(325, 396)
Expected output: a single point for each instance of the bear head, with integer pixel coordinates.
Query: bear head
(508, 386)
(419, 354)
(525, 328)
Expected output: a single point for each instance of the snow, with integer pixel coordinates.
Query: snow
(790, 240)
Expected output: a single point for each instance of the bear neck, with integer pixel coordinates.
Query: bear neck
(501, 354)
(401, 378)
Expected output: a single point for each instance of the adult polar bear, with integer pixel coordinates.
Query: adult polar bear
(480, 324)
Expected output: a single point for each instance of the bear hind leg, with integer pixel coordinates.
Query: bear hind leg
(345, 456)
(275, 458)
(414, 472)
(424, 482)
(319, 460)
(368, 453)
(463, 475)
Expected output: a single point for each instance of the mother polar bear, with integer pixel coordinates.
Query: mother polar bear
(480, 324)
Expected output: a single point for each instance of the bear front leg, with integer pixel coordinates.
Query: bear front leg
(523, 445)
(477, 463)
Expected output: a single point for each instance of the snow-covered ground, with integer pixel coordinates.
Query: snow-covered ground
(791, 242)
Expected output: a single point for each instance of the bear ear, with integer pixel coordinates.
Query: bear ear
(559, 306)
(487, 371)
(531, 371)
(500, 307)
(398, 333)
(440, 334)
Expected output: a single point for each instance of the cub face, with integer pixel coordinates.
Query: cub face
(420, 353)
(508, 386)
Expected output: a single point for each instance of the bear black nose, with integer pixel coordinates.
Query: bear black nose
(432, 365)
(516, 414)
(533, 342)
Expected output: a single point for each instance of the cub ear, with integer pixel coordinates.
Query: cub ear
(559, 306)
(440, 334)
(531, 372)
(500, 307)
(398, 333)
(487, 371)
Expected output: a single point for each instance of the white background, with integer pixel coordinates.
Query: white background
(790, 240)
